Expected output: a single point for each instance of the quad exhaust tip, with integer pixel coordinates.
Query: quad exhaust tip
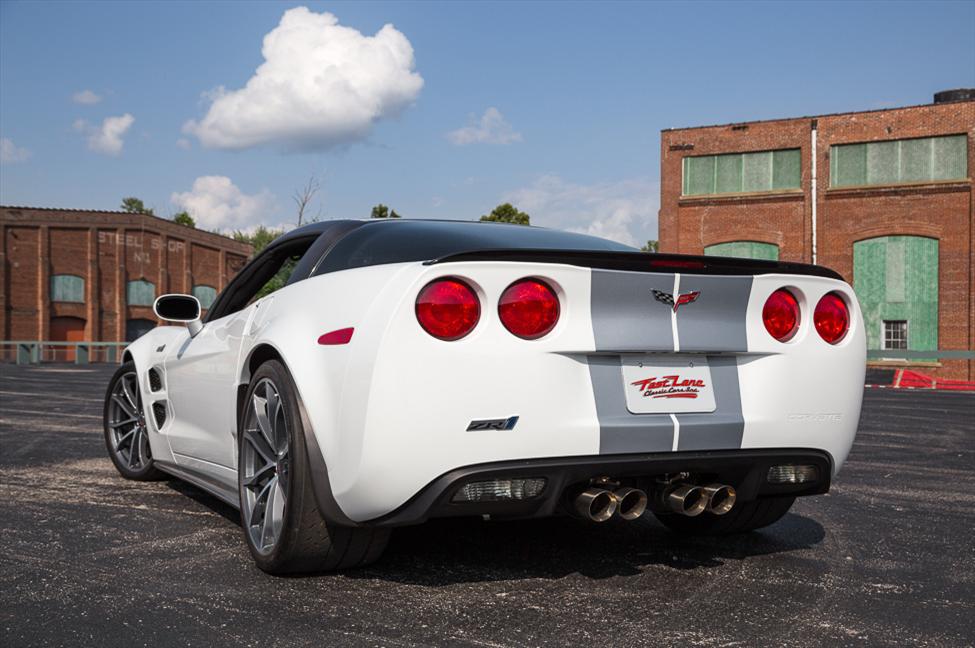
(596, 504)
(691, 500)
(631, 502)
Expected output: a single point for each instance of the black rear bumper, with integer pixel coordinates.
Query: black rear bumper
(746, 470)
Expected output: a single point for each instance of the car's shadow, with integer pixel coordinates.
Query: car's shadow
(464, 550)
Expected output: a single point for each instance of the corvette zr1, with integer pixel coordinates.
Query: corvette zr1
(415, 369)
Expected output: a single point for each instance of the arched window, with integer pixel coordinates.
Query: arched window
(67, 288)
(745, 249)
(206, 295)
(896, 282)
(140, 293)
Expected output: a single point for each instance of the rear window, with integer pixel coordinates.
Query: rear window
(402, 241)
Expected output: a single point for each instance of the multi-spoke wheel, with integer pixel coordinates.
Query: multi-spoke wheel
(126, 433)
(283, 527)
(264, 466)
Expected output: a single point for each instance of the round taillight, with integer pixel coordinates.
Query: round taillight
(832, 317)
(448, 309)
(529, 308)
(781, 315)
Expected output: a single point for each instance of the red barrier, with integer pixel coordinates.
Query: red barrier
(907, 379)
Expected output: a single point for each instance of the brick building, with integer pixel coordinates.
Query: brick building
(71, 275)
(884, 197)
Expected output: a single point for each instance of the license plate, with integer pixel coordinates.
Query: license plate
(667, 385)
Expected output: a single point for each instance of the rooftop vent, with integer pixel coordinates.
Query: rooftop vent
(958, 94)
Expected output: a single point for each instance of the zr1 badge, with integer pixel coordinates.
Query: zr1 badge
(668, 385)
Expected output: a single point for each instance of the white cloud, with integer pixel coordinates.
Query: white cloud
(321, 85)
(85, 97)
(184, 144)
(11, 153)
(491, 128)
(106, 138)
(624, 211)
(216, 203)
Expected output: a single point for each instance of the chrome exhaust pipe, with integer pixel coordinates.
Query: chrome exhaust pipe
(596, 504)
(686, 499)
(630, 502)
(720, 498)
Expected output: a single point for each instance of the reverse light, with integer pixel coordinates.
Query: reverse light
(497, 490)
(781, 315)
(832, 317)
(529, 308)
(790, 474)
(448, 308)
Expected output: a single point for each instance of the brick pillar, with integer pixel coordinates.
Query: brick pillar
(93, 288)
(4, 325)
(120, 285)
(44, 284)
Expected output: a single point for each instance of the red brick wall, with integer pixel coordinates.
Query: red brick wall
(106, 249)
(943, 210)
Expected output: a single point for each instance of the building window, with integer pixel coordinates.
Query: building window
(896, 282)
(742, 172)
(895, 334)
(140, 293)
(67, 288)
(898, 161)
(136, 328)
(206, 295)
(744, 249)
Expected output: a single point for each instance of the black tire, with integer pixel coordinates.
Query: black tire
(744, 517)
(125, 429)
(304, 541)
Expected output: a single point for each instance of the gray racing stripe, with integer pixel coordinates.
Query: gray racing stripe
(723, 428)
(625, 315)
(619, 430)
(715, 321)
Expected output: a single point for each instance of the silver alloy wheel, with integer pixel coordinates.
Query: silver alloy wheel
(264, 467)
(127, 423)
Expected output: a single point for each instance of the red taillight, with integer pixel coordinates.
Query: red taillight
(832, 317)
(448, 309)
(781, 315)
(529, 308)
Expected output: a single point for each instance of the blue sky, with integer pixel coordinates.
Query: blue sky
(557, 107)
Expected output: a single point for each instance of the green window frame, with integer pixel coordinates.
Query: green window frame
(732, 173)
(744, 249)
(140, 292)
(67, 288)
(923, 159)
(896, 280)
(205, 294)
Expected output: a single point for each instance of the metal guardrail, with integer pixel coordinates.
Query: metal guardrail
(81, 352)
(939, 354)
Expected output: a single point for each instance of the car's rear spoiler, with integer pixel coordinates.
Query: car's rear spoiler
(645, 262)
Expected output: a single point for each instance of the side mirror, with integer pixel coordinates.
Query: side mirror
(184, 309)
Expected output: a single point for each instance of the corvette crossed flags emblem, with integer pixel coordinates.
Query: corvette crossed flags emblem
(668, 299)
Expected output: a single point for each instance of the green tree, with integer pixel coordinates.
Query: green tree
(184, 218)
(382, 211)
(135, 206)
(651, 246)
(507, 213)
(260, 239)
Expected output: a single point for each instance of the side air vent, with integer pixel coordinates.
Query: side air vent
(159, 412)
(155, 380)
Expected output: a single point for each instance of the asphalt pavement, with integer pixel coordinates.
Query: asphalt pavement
(89, 559)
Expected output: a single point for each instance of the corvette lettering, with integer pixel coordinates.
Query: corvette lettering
(669, 387)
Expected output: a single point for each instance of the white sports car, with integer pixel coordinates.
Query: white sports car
(415, 369)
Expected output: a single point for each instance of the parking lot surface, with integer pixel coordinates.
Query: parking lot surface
(87, 558)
